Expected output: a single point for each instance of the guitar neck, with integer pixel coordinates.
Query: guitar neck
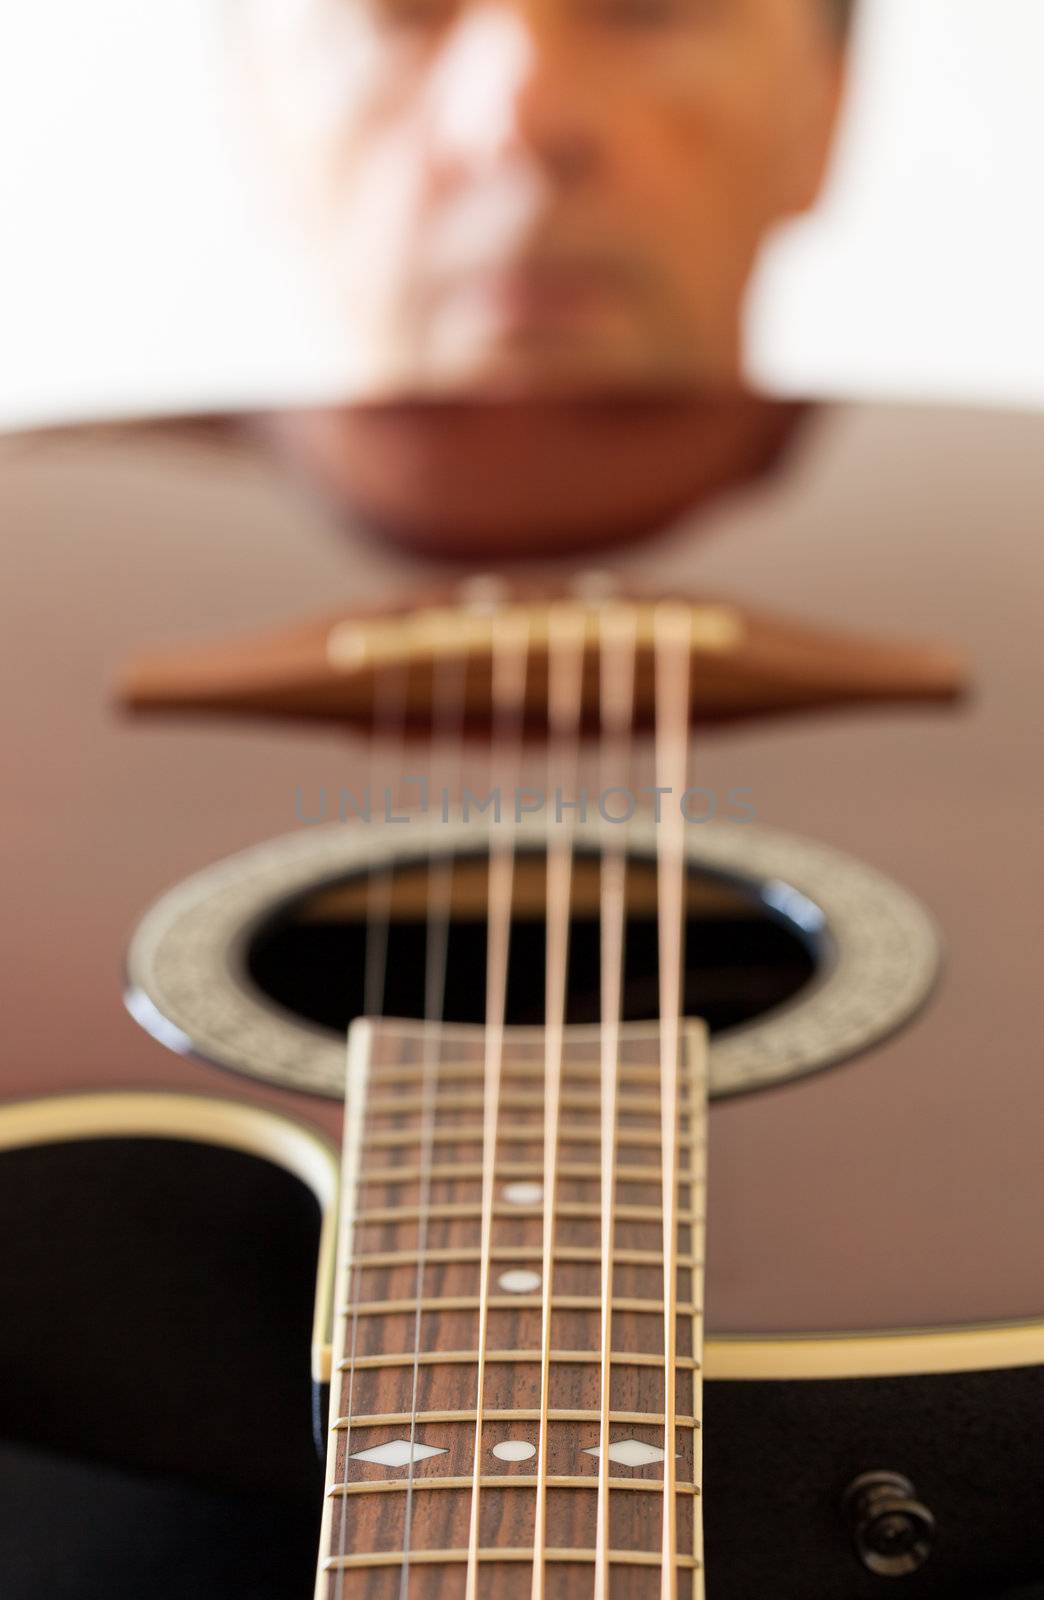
(500, 1314)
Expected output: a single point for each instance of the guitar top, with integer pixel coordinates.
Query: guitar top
(885, 522)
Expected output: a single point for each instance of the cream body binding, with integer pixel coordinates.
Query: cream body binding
(309, 1156)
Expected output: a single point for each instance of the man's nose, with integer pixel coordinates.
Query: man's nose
(506, 84)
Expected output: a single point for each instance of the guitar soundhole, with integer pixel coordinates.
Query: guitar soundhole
(743, 957)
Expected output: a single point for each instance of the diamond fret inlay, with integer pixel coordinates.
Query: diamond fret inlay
(629, 1453)
(518, 1319)
(397, 1453)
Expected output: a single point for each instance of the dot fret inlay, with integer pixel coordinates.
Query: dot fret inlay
(553, 1356)
(514, 1450)
(520, 1280)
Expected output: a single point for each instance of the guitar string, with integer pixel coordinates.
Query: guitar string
(510, 661)
(447, 724)
(388, 739)
(672, 634)
(386, 742)
(567, 627)
(617, 641)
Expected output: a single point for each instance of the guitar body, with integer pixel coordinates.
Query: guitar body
(900, 1190)
(200, 1270)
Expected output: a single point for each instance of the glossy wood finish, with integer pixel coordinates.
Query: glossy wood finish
(904, 1189)
(745, 665)
(152, 1186)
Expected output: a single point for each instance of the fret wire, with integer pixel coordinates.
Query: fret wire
(392, 1419)
(450, 1255)
(497, 1555)
(528, 1071)
(511, 1302)
(616, 703)
(578, 1100)
(506, 1480)
(448, 1171)
(468, 1418)
(471, 1133)
(465, 1211)
(506, 1169)
(637, 1358)
(510, 652)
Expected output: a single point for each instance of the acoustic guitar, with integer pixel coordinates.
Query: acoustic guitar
(615, 927)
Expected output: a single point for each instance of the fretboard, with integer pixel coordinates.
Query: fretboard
(471, 1398)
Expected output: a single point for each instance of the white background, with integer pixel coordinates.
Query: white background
(143, 266)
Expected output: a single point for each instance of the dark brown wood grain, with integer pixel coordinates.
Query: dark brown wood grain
(370, 1499)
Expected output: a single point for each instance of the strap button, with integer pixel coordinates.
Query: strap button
(891, 1529)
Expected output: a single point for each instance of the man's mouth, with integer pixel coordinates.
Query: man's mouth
(537, 295)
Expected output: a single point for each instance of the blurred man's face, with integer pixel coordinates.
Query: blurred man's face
(534, 197)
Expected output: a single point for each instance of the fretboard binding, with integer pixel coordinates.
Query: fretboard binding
(505, 1480)
(465, 1211)
(397, 1419)
(429, 1358)
(471, 1133)
(508, 1302)
(672, 648)
(496, 1556)
(670, 1168)
(358, 1064)
(448, 1255)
